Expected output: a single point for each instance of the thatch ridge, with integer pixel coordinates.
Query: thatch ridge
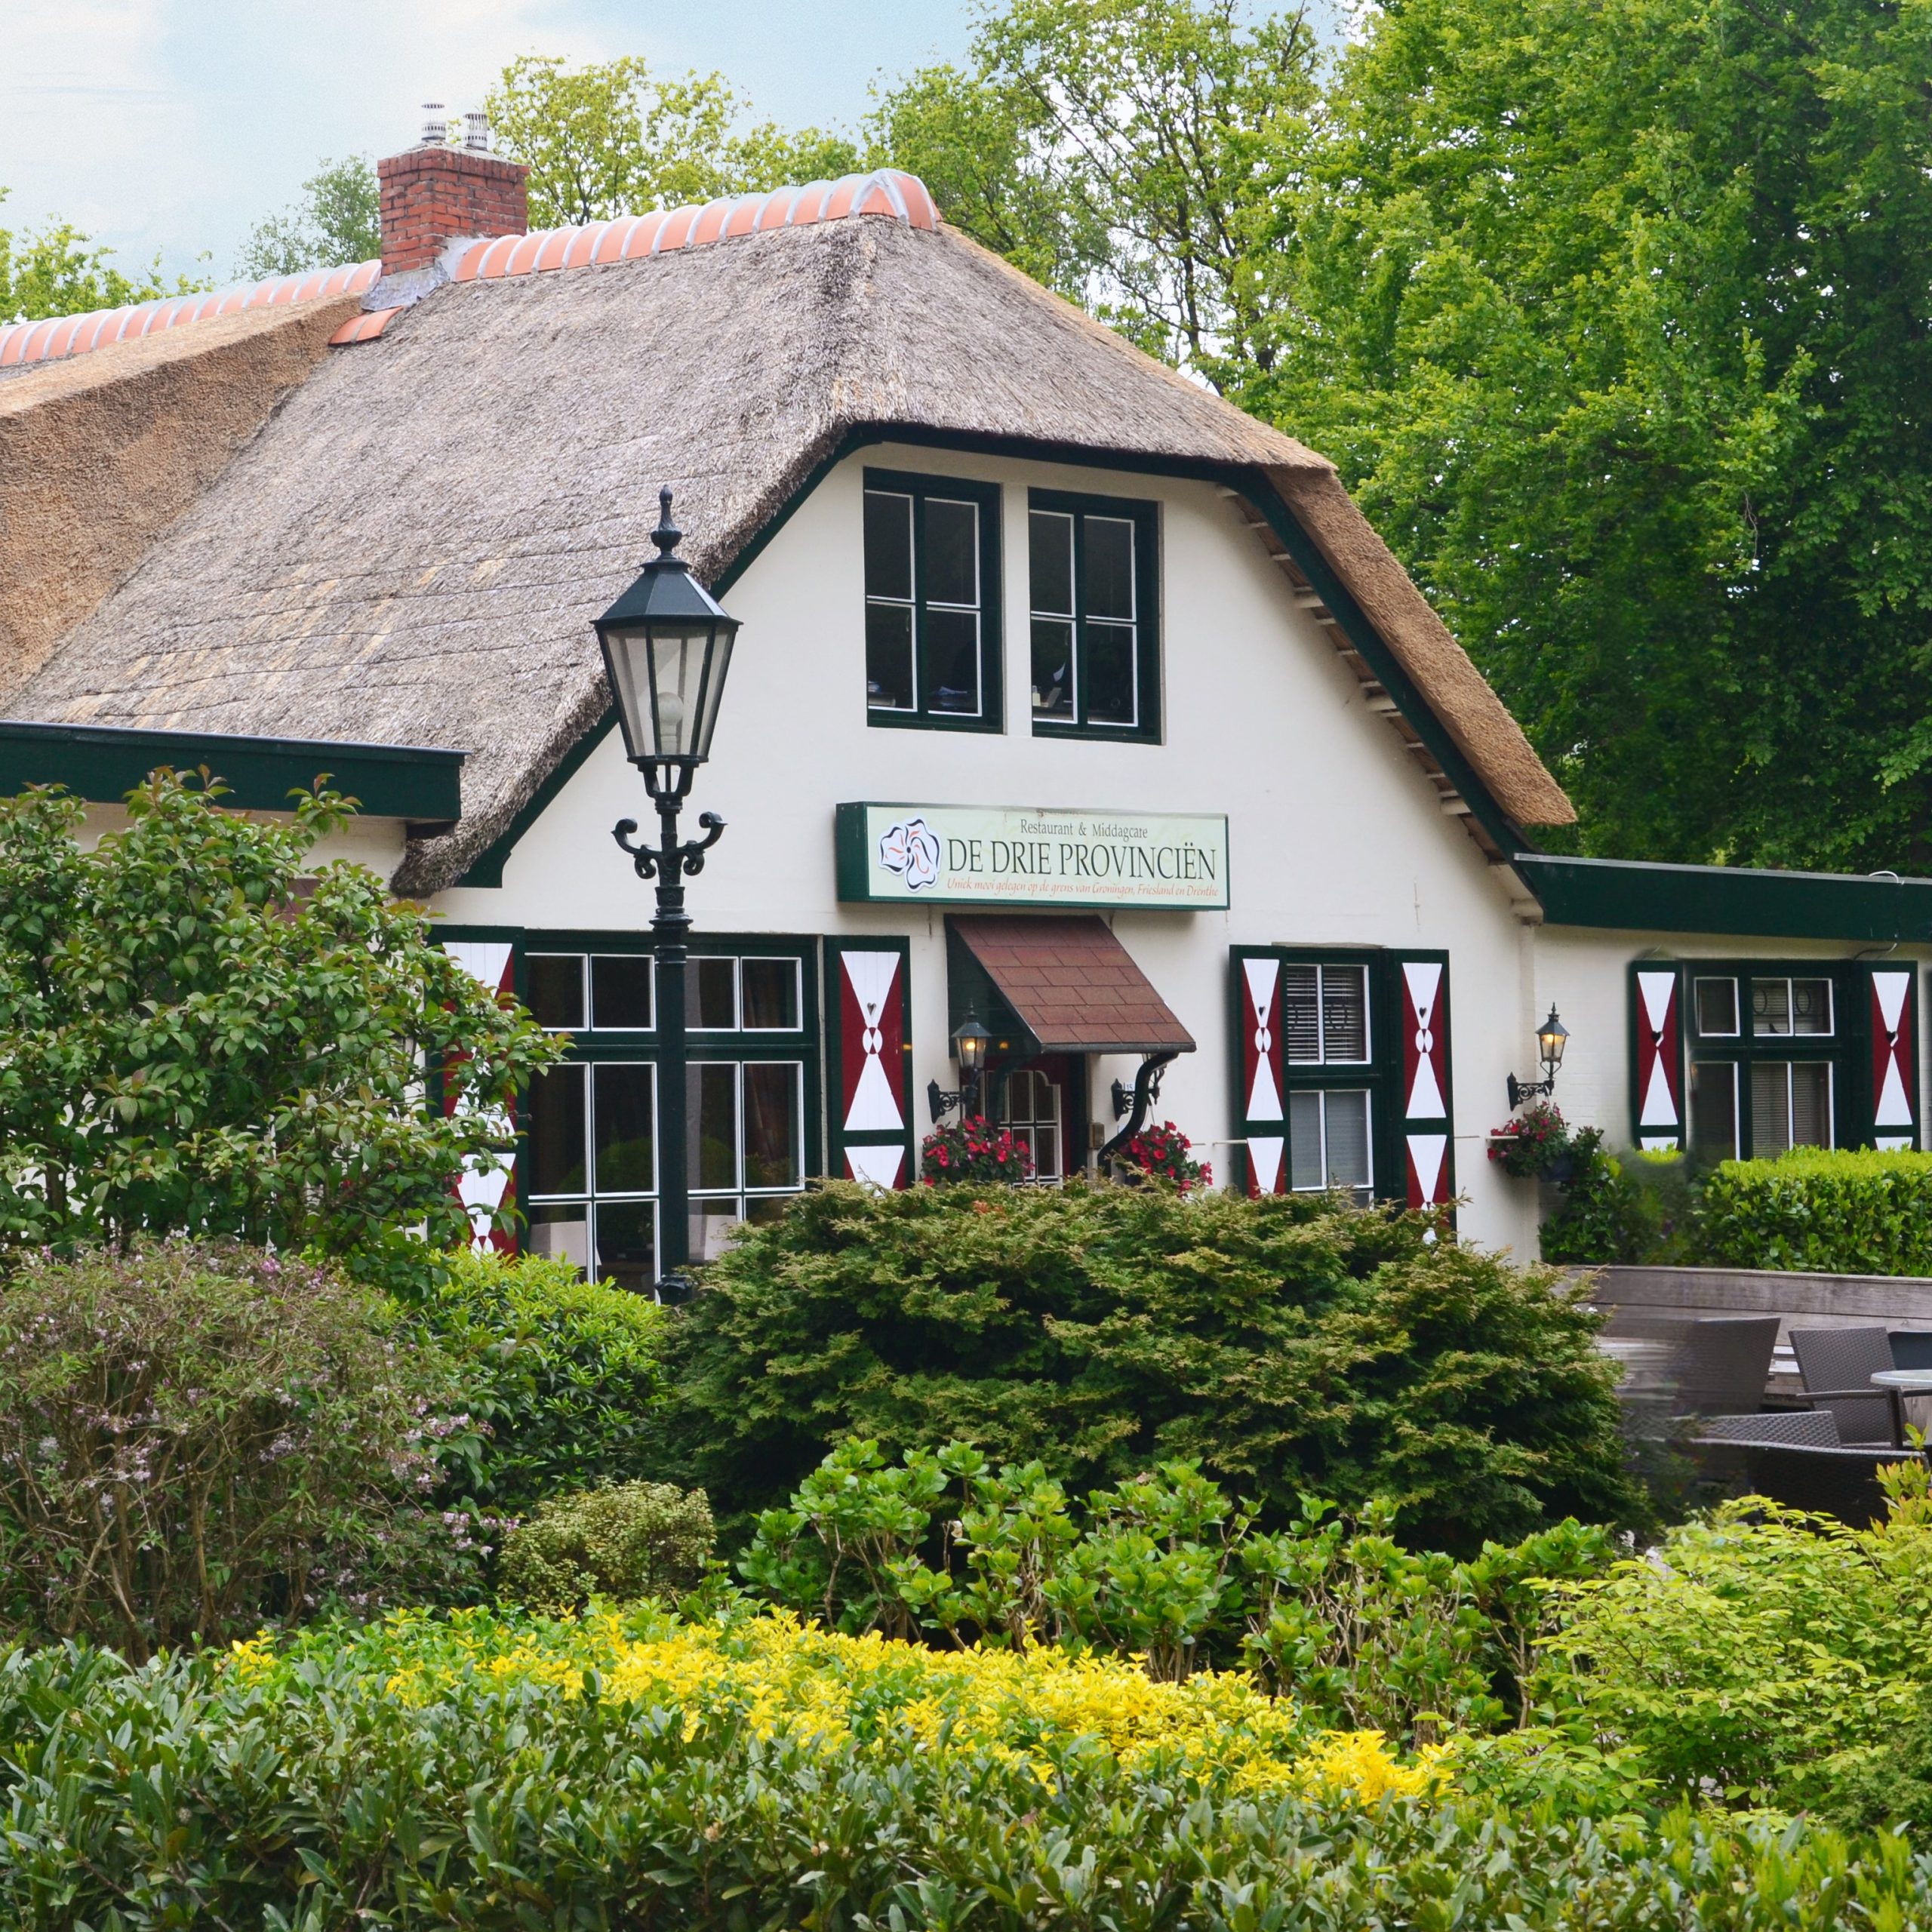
(409, 550)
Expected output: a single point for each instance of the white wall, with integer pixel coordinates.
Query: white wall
(1586, 974)
(1336, 837)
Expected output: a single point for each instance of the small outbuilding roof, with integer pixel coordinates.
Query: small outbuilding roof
(408, 549)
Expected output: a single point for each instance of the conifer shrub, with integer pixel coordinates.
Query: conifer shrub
(1292, 1344)
(627, 1542)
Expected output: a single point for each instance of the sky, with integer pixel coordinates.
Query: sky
(175, 126)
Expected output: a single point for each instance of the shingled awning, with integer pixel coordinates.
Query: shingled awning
(1068, 982)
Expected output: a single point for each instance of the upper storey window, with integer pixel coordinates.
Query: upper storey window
(1094, 598)
(932, 602)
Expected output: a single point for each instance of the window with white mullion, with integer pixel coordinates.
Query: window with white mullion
(931, 571)
(1091, 594)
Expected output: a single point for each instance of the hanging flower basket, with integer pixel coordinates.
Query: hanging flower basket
(1165, 1151)
(974, 1152)
(1535, 1146)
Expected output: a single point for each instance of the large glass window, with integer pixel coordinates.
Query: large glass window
(590, 1130)
(1093, 594)
(589, 1166)
(932, 602)
(1764, 1060)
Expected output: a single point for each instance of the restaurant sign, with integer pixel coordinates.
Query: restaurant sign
(1016, 855)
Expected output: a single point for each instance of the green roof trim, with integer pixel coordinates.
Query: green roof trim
(1636, 895)
(104, 763)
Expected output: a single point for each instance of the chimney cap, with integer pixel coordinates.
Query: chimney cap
(436, 125)
(476, 131)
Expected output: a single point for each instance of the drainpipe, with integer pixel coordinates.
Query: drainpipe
(1147, 1091)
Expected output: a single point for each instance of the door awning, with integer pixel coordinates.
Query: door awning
(1070, 984)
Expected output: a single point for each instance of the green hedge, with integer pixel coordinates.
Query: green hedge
(388, 1779)
(1852, 1213)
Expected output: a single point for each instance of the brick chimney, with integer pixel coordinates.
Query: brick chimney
(435, 194)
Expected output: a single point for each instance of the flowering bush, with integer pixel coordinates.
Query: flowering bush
(973, 1150)
(194, 1438)
(1532, 1143)
(1165, 1151)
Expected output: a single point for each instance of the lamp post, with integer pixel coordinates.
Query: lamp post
(970, 1042)
(1552, 1036)
(667, 646)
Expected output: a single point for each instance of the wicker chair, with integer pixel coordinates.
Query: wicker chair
(1811, 1429)
(1727, 1360)
(1794, 1458)
(1838, 1365)
(1911, 1348)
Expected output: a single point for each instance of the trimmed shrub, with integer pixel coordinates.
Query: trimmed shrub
(1866, 1213)
(564, 1372)
(1291, 1344)
(194, 1438)
(487, 1773)
(637, 1540)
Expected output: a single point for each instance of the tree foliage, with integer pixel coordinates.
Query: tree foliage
(1615, 317)
(337, 220)
(609, 138)
(1132, 154)
(194, 1036)
(57, 270)
(1292, 1344)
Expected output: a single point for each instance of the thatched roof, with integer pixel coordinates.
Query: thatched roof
(407, 550)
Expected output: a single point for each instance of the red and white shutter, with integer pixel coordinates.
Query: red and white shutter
(1657, 1057)
(1258, 1008)
(871, 1103)
(486, 1180)
(1426, 1136)
(1893, 1008)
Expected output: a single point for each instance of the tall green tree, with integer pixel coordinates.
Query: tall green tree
(1617, 319)
(199, 1035)
(1133, 154)
(56, 270)
(337, 220)
(609, 138)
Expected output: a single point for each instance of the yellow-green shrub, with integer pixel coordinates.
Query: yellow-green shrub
(627, 1542)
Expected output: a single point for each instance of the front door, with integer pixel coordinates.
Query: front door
(1035, 1106)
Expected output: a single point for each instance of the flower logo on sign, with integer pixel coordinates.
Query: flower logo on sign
(911, 849)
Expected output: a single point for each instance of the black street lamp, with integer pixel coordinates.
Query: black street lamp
(970, 1042)
(667, 647)
(1552, 1036)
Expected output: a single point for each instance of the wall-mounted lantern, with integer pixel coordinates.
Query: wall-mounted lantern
(1552, 1036)
(970, 1042)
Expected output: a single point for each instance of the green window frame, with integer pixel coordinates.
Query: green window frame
(933, 638)
(1342, 1066)
(752, 1047)
(1774, 1051)
(1094, 617)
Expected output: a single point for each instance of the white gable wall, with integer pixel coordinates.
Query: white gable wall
(1335, 835)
